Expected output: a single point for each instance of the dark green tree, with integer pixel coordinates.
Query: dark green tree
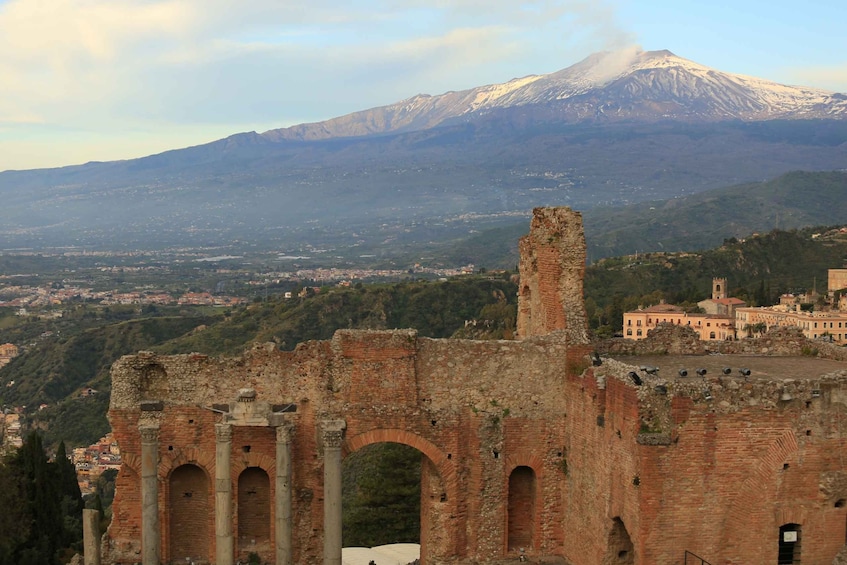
(14, 519)
(42, 500)
(47, 505)
(71, 503)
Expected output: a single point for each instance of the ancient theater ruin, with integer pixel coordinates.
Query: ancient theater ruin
(533, 447)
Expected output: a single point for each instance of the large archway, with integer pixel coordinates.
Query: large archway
(189, 515)
(427, 476)
(381, 495)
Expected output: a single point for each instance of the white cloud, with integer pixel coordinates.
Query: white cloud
(120, 65)
(830, 77)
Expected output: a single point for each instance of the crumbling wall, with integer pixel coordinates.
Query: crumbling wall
(724, 461)
(552, 269)
(475, 409)
(672, 339)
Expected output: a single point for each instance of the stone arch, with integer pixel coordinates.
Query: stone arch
(186, 455)
(445, 466)
(168, 463)
(132, 462)
(620, 550)
(439, 492)
(252, 459)
(536, 464)
(189, 513)
(254, 510)
(532, 461)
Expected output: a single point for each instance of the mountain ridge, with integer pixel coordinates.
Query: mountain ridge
(639, 127)
(574, 90)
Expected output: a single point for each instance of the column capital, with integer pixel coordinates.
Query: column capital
(149, 433)
(284, 432)
(223, 432)
(332, 432)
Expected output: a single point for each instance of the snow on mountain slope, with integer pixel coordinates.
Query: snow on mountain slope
(634, 84)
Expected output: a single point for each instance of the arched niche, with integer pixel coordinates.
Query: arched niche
(189, 515)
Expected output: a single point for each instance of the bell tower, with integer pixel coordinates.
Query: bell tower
(718, 288)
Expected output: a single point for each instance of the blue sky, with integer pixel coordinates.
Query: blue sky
(84, 80)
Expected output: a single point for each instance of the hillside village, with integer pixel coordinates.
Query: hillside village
(820, 317)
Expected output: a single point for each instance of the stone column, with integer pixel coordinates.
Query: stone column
(150, 545)
(91, 536)
(332, 435)
(224, 537)
(283, 525)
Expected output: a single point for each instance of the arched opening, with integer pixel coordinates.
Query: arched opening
(521, 509)
(189, 516)
(381, 495)
(436, 497)
(621, 551)
(254, 511)
(789, 544)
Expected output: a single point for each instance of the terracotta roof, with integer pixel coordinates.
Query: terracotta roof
(729, 301)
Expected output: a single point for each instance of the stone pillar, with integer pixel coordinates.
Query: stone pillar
(224, 537)
(91, 536)
(283, 525)
(150, 544)
(332, 435)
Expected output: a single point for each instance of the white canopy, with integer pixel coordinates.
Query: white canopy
(392, 554)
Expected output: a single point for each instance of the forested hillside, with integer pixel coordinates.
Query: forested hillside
(63, 361)
(435, 309)
(701, 221)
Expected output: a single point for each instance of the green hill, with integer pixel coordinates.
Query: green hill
(704, 220)
(55, 371)
(792, 201)
(435, 309)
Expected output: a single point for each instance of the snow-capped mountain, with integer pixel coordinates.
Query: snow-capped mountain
(632, 85)
(613, 129)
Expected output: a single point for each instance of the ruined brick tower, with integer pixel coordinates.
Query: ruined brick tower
(552, 267)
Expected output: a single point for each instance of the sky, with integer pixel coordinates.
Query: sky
(99, 80)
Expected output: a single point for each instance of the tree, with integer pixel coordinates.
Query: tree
(14, 520)
(47, 507)
(71, 503)
(385, 505)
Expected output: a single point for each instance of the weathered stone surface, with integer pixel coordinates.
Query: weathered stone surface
(552, 268)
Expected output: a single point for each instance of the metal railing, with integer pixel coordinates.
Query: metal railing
(694, 559)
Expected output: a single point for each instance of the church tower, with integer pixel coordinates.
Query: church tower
(718, 288)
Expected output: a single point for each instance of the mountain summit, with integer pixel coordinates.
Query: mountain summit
(611, 86)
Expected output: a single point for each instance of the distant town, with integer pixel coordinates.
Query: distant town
(820, 316)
